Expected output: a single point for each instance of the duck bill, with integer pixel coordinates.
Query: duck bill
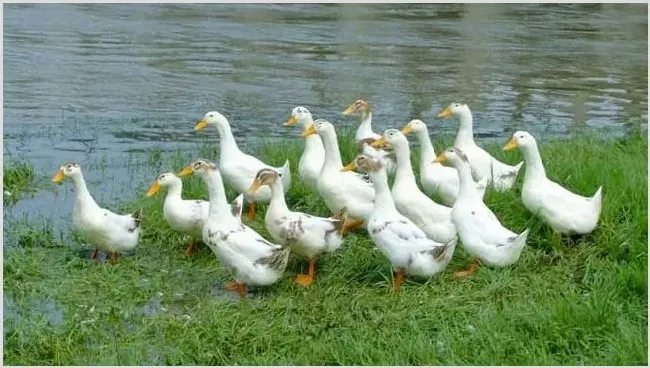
(153, 189)
(310, 130)
(511, 145)
(58, 177)
(254, 187)
(292, 120)
(201, 125)
(186, 171)
(349, 167)
(446, 113)
(378, 143)
(440, 159)
(407, 130)
(350, 110)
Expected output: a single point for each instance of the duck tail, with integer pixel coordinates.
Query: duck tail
(520, 240)
(236, 206)
(446, 251)
(597, 200)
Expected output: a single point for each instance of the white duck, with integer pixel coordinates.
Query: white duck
(564, 211)
(251, 258)
(105, 230)
(502, 176)
(480, 232)
(406, 246)
(338, 189)
(183, 215)
(238, 168)
(365, 135)
(434, 177)
(308, 236)
(311, 160)
(434, 219)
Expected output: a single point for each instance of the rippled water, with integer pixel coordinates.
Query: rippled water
(98, 84)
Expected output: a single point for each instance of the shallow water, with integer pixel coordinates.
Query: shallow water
(105, 84)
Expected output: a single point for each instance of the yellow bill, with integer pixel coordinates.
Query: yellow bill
(350, 109)
(186, 171)
(349, 167)
(511, 145)
(254, 187)
(440, 159)
(407, 129)
(378, 142)
(153, 189)
(446, 113)
(310, 130)
(58, 177)
(292, 120)
(201, 125)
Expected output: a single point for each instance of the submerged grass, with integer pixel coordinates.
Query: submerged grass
(582, 303)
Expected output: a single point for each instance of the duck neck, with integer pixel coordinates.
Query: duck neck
(227, 141)
(383, 197)
(174, 191)
(332, 154)
(534, 166)
(365, 128)
(427, 152)
(278, 204)
(404, 173)
(83, 195)
(313, 142)
(216, 193)
(466, 182)
(465, 131)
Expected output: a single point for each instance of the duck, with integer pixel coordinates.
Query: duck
(182, 215)
(436, 179)
(311, 160)
(253, 260)
(481, 233)
(238, 168)
(501, 176)
(410, 251)
(564, 211)
(307, 236)
(364, 135)
(433, 218)
(103, 229)
(338, 189)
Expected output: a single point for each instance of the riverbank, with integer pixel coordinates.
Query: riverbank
(582, 303)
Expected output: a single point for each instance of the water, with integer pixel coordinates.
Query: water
(104, 84)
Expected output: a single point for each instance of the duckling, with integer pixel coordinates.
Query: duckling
(182, 215)
(480, 232)
(500, 175)
(252, 259)
(105, 230)
(311, 160)
(308, 236)
(564, 211)
(238, 168)
(405, 245)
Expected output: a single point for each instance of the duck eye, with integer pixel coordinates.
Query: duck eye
(521, 136)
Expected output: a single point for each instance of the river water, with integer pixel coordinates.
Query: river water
(100, 84)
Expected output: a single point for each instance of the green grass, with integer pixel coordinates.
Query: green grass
(17, 180)
(583, 303)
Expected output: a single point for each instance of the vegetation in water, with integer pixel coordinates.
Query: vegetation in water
(583, 303)
(17, 180)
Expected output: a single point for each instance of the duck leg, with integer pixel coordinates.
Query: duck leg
(93, 254)
(398, 280)
(191, 247)
(251, 211)
(114, 257)
(307, 279)
(241, 288)
(469, 271)
(231, 286)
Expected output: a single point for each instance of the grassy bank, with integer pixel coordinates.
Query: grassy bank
(582, 303)
(17, 178)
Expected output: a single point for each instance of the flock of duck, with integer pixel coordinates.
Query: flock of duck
(416, 234)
